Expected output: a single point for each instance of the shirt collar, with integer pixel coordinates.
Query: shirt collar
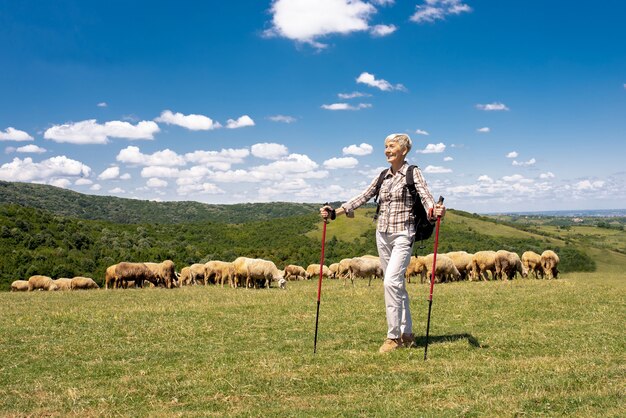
(402, 170)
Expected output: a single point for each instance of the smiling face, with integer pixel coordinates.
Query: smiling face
(395, 152)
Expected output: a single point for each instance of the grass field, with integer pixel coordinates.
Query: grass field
(520, 348)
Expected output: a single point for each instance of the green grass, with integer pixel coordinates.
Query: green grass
(520, 348)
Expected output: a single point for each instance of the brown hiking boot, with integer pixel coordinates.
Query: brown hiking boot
(408, 340)
(390, 344)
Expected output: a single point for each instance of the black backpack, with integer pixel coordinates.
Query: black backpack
(423, 228)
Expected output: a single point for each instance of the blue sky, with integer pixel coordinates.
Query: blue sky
(512, 106)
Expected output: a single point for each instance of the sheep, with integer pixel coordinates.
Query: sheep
(445, 269)
(79, 282)
(63, 284)
(255, 269)
(416, 266)
(510, 264)
(38, 282)
(184, 279)
(462, 261)
(532, 262)
(482, 262)
(137, 272)
(333, 270)
(19, 286)
(218, 271)
(549, 263)
(164, 273)
(282, 283)
(365, 267)
(110, 278)
(297, 272)
(343, 269)
(314, 270)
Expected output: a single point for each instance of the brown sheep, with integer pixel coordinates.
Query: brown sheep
(256, 270)
(482, 262)
(509, 264)
(333, 270)
(532, 262)
(314, 270)
(38, 282)
(549, 263)
(110, 278)
(19, 286)
(445, 269)
(416, 266)
(164, 272)
(297, 272)
(219, 271)
(184, 279)
(137, 272)
(462, 261)
(63, 284)
(343, 269)
(365, 267)
(84, 283)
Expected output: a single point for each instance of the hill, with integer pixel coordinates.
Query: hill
(132, 211)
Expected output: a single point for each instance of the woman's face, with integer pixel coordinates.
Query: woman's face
(394, 152)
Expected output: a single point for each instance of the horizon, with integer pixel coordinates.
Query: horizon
(510, 110)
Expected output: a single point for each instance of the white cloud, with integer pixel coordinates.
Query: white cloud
(483, 130)
(383, 30)
(26, 170)
(516, 178)
(31, 148)
(270, 151)
(282, 118)
(512, 154)
(346, 106)
(241, 122)
(433, 149)
(110, 173)
(434, 10)
(343, 162)
(307, 20)
(532, 161)
(485, 178)
(159, 171)
(421, 132)
(353, 95)
(492, 106)
(95, 187)
(204, 188)
(125, 176)
(383, 2)
(448, 159)
(156, 183)
(384, 85)
(191, 122)
(132, 155)
(91, 132)
(63, 183)
(548, 175)
(219, 160)
(102, 104)
(589, 185)
(433, 169)
(117, 190)
(12, 134)
(83, 182)
(234, 176)
(360, 150)
(297, 164)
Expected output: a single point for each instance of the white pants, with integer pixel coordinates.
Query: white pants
(394, 251)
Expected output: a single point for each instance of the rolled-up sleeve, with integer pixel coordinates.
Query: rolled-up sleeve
(422, 189)
(361, 199)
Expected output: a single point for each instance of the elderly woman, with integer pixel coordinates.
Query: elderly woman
(394, 234)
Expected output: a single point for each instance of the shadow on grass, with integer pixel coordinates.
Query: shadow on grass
(420, 342)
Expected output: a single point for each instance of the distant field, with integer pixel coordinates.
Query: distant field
(520, 348)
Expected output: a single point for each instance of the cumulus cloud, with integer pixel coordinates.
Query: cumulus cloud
(117, 190)
(483, 130)
(433, 10)
(383, 30)
(346, 106)
(62, 183)
(433, 169)
(102, 104)
(241, 122)
(91, 132)
(31, 149)
(433, 149)
(282, 118)
(492, 107)
(297, 164)
(156, 183)
(132, 155)
(191, 122)
(12, 134)
(360, 150)
(27, 171)
(204, 188)
(421, 132)
(512, 154)
(270, 151)
(83, 182)
(532, 161)
(517, 178)
(125, 176)
(370, 80)
(448, 159)
(110, 173)
(305, 21)
(589, 185)
(548, 175)
(353, 95)
(219, 160)
(485, 178)
(343, 162)
(95, 187)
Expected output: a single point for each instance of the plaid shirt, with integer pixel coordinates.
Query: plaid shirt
(395, 200)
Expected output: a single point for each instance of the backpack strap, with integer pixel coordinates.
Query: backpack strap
(379, 183)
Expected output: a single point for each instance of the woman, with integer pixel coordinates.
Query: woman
(394, 234)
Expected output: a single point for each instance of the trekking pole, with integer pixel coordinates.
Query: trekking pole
(319, 285)
(432, 279)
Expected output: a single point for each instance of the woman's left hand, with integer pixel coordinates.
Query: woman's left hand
(440, 211)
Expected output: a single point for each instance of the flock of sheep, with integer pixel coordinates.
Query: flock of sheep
(255, 272)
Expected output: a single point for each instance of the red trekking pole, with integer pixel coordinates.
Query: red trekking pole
(432, 279)
(319, 286)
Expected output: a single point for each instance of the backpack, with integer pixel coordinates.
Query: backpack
(423, 228)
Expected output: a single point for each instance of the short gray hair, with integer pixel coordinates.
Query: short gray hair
(402, 139)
